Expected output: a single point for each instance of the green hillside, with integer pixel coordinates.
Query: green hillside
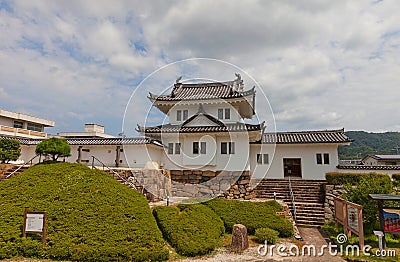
(91, 217)
(369, 144)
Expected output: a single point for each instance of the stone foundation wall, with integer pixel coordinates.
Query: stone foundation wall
(241, 188)
(203, 184)
(153, 184)
(332, 191)
(158, 184)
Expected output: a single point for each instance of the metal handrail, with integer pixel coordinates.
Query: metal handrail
(16, 170)
(115, 173)
(293, 203)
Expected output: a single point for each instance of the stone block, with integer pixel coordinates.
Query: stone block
(240, 241)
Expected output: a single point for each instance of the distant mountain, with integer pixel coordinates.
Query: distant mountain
(370, 144)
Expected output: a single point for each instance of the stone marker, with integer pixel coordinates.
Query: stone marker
(240, 241)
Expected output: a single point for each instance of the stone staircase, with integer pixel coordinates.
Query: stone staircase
(309, 197)
(10, 171)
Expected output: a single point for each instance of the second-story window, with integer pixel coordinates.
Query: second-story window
(203, 149)
(34, 127)
(182, 115)
(220, 113)
(199, 148)
(170, 148)
(185, 115)
(224, 113)
(227, 147)
(18, 124)
(227, 113)
(179, 115)
(177, 148)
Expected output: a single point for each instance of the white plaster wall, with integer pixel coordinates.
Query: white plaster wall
(28, 152)
(134, 156)
(211, 109)
(307, 154)
(213, 160)
(5, 121)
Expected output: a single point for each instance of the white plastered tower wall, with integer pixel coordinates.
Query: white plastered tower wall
(213, 160)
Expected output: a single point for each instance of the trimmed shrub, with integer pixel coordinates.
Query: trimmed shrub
(9, 150)
(266, 234)
(54, 147)
(91, 217)
(251, 214)
(369, 184)
(338, 178)
(192, 229)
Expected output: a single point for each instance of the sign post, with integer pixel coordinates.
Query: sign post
(35, 223)
(350, 216)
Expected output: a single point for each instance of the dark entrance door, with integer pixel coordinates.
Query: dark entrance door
(292, 167)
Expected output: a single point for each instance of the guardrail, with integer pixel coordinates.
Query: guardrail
(16, 170)
(112, 171)
(293, 203)
(15, 131)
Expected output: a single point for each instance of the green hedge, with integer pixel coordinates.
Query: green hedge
(192, 229)
(253, 215)
(91, 217)
(338, 178)
(266, 234)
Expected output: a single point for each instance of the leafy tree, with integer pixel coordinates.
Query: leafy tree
(54, 147)
(9, 150)
(369, 184)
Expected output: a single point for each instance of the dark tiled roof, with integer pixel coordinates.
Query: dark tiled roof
(95, 141)
(306, 137)
(367, 167)
(386, 157)
(217, 90)
(238, 127)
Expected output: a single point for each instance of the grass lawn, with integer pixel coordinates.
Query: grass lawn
(91, 217)
(393, 244)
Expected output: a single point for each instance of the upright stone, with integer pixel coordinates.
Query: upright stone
(240, 241)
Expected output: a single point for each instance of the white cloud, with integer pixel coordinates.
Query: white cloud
(322, 64)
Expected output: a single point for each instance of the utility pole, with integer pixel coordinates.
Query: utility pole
(397, 149)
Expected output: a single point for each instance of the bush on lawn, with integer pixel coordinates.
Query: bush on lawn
(192, 229)
(369, 184)
(251, 214)
(266, 234)
(91, 217)
(338, 178)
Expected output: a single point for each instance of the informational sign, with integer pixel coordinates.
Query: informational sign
(353, 218)
(391, 220)
(350, 216)
(35, 223)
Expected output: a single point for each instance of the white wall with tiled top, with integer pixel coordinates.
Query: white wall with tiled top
(306, 152)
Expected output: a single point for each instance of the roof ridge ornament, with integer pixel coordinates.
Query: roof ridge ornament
(178, 80)
(238, 83)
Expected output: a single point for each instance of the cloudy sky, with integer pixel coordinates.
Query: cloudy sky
(321, 64)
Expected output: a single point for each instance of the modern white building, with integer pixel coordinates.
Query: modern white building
(206, 130)
(21, 125)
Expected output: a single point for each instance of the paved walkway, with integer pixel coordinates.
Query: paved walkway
(311, 236)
